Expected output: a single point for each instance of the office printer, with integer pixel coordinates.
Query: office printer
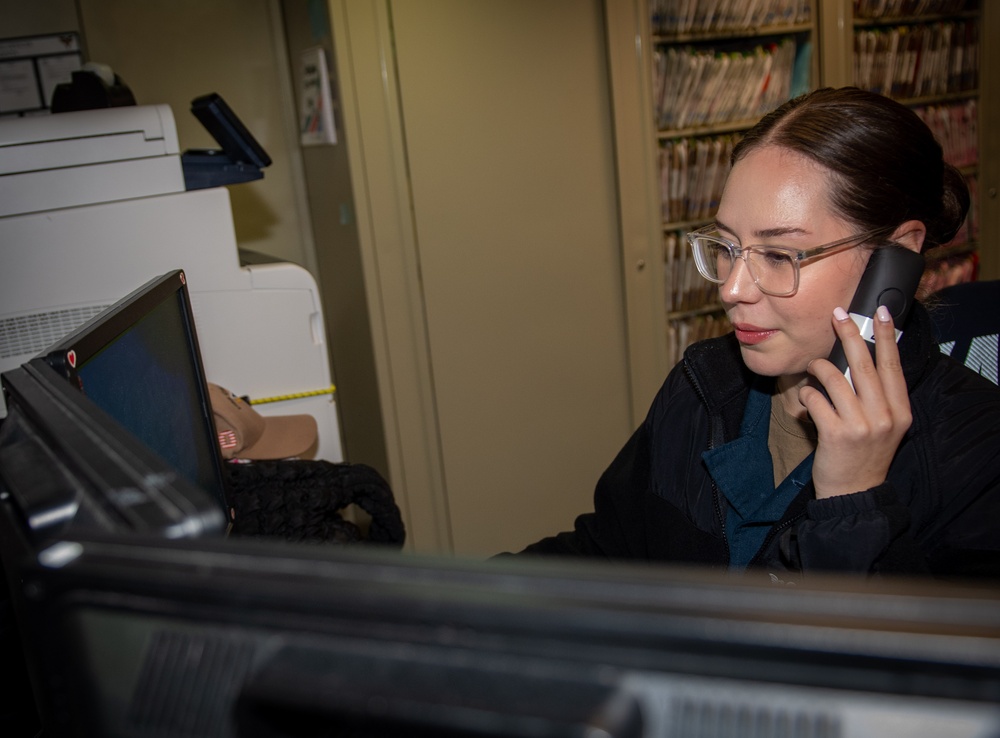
(94, 203)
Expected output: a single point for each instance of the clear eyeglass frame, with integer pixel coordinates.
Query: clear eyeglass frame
(701, 238)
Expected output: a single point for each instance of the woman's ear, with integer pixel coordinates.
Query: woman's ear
(911, 235)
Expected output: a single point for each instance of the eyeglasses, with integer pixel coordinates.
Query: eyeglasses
(774, 269)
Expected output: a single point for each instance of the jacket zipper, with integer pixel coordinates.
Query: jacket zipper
(713, 431)
(722, 519)
(772, 534)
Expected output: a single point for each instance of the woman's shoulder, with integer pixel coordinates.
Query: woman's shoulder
(951, 375)
(955, 394)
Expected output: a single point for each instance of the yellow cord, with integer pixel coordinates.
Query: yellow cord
(294, 396)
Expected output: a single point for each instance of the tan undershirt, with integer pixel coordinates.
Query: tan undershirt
(789, 440)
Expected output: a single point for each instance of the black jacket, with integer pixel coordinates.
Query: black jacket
(937, 513)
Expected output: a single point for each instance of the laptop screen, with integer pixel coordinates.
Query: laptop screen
(140, 362)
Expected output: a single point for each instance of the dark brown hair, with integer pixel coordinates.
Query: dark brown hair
(887, 164)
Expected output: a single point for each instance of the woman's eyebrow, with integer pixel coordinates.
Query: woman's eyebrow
(765, 233)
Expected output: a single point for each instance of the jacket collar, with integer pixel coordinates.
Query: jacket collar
(918, 350)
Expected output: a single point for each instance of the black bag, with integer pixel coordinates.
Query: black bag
(302, 500)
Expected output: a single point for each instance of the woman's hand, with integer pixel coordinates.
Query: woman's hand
(859, 429)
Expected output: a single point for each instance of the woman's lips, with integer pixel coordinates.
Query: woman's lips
(751, 335)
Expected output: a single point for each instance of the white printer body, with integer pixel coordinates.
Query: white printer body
(93, 205)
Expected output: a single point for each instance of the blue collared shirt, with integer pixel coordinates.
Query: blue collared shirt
(744, 473)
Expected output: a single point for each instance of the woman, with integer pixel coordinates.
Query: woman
(742, 462)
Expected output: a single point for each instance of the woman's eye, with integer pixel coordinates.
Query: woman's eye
(773, 258)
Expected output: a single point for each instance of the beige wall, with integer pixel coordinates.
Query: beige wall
(508, 128)
(338, 257)
(20, 18)
(172, 51)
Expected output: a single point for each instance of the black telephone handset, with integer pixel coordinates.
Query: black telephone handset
(891, 279)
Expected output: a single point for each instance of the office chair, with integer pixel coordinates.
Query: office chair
(967, 322)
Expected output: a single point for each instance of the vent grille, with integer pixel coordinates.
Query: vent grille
(32, 334)
(187, 685)
(698, 718)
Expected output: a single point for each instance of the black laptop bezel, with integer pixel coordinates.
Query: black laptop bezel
(74, 350)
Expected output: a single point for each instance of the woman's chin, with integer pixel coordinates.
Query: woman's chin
(771, 364)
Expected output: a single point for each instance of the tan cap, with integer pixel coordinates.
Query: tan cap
(246, 434)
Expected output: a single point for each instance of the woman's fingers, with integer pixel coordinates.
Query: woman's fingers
(890, 369)
(840, 389)
(861, 426)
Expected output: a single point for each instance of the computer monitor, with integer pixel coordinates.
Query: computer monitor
(237, 638)
(140, 362)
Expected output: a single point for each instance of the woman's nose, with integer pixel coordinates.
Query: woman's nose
(739, 285)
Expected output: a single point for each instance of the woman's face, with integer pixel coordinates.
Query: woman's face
(776, 197)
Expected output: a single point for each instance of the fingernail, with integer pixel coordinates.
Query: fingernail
(840, 314)
(883, 314)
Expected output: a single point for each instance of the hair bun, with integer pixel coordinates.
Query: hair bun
(954, 208)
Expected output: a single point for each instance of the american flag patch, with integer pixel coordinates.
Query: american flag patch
(227, 439)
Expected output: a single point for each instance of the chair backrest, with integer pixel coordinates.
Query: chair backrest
(967, 321)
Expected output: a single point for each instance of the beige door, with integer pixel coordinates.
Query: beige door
(483, 161)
